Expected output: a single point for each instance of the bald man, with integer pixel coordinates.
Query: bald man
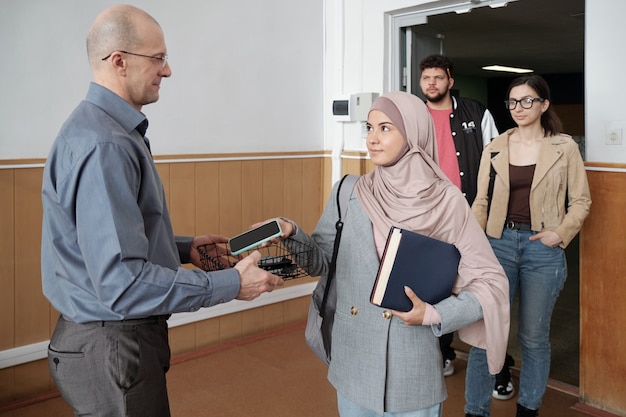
(111, 264)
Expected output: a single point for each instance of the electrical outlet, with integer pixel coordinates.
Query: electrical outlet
(614, 136)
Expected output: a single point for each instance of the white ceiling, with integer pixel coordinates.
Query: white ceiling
(544, 35)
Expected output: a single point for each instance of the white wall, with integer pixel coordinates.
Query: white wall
(605, 60)
(247, 75)
(252, 76)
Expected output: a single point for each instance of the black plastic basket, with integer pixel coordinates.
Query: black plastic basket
(288, 263)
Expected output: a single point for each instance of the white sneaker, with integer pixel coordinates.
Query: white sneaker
(448, 368)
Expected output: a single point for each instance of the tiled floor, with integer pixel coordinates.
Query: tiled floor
(276, 375)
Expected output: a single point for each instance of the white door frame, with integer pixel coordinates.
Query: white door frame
(396, 20)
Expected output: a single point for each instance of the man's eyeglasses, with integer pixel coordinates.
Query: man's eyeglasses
(526, 102)
(162, 59)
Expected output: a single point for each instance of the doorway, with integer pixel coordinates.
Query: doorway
(547, 37)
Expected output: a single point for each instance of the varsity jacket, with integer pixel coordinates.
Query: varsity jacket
(472, 127)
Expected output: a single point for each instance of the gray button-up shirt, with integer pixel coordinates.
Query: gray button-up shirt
(108, 250)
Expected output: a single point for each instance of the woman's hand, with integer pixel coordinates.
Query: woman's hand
(286, 226)
(548, 238)
(416, 315)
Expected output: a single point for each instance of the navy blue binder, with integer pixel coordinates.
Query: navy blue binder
(428, 266)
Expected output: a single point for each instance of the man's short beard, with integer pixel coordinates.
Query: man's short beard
(436, 99)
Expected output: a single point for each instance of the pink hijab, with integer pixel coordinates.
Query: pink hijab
(408, 193)
(413, 193)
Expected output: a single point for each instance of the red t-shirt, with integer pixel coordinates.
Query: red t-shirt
(445, 145)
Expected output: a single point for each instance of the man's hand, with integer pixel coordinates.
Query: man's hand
(214, 251)
(254, 280)
(416, 315)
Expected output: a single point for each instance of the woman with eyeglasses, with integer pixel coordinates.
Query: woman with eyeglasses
(533, 197)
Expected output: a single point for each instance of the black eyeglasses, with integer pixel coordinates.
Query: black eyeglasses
(526, 102)
(162, 59)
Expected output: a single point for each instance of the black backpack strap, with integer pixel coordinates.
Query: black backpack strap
(344, 191)
(346, 186)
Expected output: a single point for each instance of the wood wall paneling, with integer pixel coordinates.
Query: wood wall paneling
(296, 310)
(294, 197)
(252, 194)
(231, 327)
(7, 260)
(7, 385)
(230, 197)
(182, 204)
(253, 321)
(312, 185)
(356, 163)
(223, 197)
(273, 188)
(273, 316)
(31, 307)
(350, 166)
(208, 333)
(183, 339)
(602, 294)
(206, 195)
(327, 182)
(164, 173)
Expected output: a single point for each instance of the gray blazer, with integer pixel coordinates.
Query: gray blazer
(377, 361)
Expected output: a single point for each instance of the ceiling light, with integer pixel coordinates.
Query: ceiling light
(506, 69)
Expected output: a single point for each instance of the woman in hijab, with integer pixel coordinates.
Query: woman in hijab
(388, 363)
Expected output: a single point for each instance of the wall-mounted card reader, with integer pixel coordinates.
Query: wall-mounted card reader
(355, 108)
(341, 107)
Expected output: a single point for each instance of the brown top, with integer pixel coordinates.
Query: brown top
(520, 178)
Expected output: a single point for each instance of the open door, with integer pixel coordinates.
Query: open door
(425, 41)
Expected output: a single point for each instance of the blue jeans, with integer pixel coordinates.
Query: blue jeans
(349, 409)
(538, 272)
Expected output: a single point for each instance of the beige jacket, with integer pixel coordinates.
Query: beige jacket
(559, 172)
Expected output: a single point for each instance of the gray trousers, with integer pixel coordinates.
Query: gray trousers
(113, 368)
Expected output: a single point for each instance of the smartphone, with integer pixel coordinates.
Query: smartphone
(254, 237)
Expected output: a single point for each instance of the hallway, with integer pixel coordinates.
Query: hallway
(275, 374)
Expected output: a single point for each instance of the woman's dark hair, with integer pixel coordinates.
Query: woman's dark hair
(549, 120)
